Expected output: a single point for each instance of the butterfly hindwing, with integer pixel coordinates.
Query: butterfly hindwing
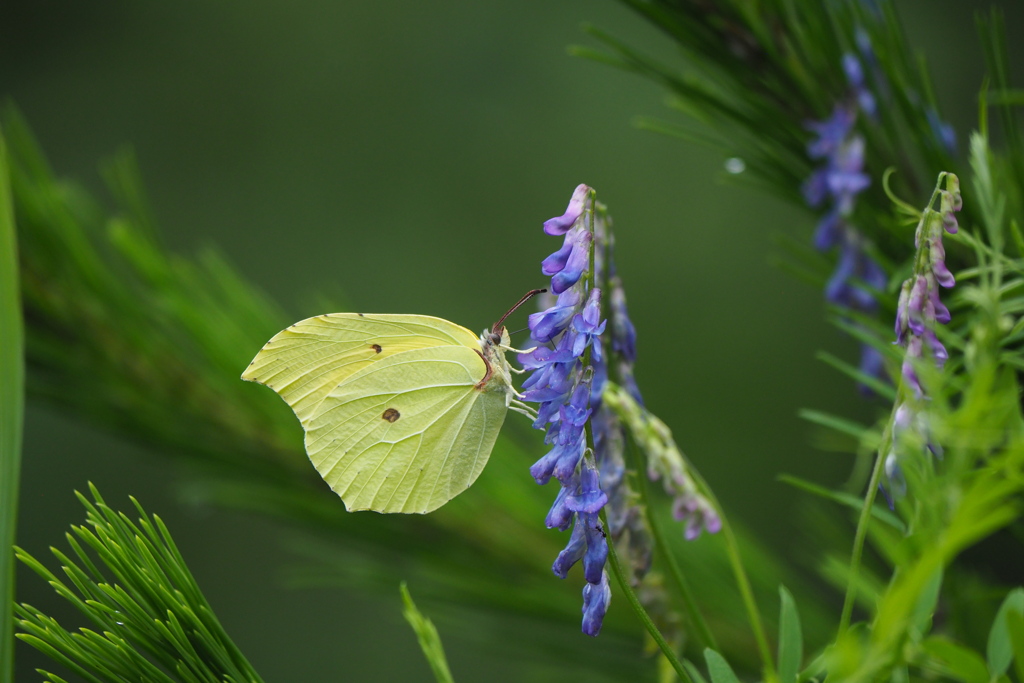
(407, 433)
(306, 361)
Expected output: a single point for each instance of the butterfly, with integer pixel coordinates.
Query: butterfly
(400, 412)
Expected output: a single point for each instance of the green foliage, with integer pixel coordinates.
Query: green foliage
(718, 668)
(791, 640)
(12, 396)
(430, 641)
(153, 622)
(999, 651)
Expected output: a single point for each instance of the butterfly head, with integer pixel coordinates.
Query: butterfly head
(495, 337)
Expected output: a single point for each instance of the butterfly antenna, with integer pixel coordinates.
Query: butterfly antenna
(526, 297)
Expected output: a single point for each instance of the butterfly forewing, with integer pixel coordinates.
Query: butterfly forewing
(407, 433)
(306, 361)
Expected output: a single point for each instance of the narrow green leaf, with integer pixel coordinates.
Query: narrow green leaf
(430, 641)
(1015, 627)
(879, 512)
(955, 660)
(925, 607)
(12, 396)
(718, 668)
(999, 651)
(876, 385)
(791, 639)
(694, 672)
(839, 424)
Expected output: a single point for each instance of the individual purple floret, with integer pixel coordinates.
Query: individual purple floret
(596, 597)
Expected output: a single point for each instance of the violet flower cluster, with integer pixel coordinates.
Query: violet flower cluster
(835, 186)
(585, 350)
(561, 380)
(917, 313)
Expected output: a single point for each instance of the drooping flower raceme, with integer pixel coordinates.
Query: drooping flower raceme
(561, 381)
(665, 462)
(585, 341)
(918, 312)
(834, 186)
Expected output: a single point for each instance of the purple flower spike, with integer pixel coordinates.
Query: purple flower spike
(560, 224)
(596, 597)
(918, 313)
(836, 183)
(567, 375)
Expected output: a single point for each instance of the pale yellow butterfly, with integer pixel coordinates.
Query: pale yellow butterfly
(400, 411)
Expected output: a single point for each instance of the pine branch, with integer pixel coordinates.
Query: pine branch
(131, 582)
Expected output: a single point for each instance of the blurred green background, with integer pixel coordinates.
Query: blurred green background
(400, 157)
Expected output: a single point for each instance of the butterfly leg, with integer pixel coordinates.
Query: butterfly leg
(509, 348)
(522, 409)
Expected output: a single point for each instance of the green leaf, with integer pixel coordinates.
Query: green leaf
(694, 672)
(925, 607)
(1015, 626)
(718, 668)
(12, 391)
(956, 660)
(791, 639)
(877, 511)
(876, 385)
(840, 424)
(999, 651)
(426, 633)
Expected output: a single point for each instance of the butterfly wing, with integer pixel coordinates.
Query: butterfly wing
(409, 432)
(306, 361)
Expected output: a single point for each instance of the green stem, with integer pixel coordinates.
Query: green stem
(732, 548)
(696, 619)
(12, 393)
(641, 613)
(858, 539)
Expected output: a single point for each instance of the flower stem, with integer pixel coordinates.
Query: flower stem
(862, 531)
(696, 619)
(641, 613)
(732, 549)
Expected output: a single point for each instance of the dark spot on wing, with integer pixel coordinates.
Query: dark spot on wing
(360, 315)
(376, 347)
(391, 415)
